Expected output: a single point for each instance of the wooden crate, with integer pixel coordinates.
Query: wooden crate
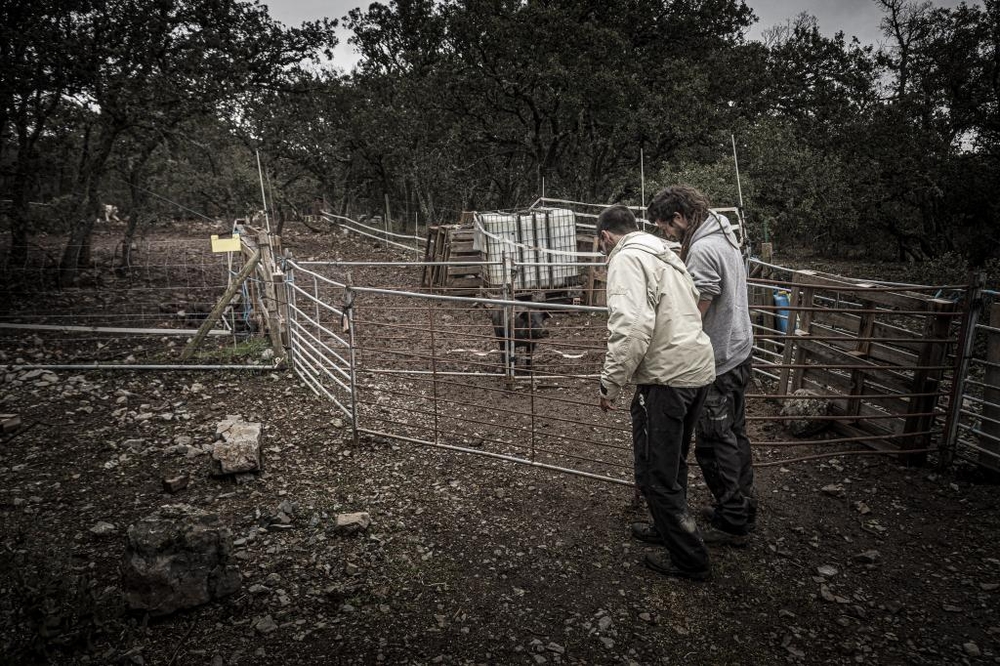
(452, 242)
(596, 277)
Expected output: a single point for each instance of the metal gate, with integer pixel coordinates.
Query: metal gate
(974, 417)
(320, 335)
(429, 369)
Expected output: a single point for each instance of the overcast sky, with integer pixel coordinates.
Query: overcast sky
(858, 18)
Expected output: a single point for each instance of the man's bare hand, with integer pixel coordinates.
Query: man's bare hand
(605, 404)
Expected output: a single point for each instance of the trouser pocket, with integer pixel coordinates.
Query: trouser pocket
(716, 416)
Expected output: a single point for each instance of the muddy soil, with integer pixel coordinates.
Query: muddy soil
(468, 560)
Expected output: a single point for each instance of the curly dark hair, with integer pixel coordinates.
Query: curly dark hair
(683, 199)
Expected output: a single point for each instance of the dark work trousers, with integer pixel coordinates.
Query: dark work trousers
(723, 450)
(663, 421)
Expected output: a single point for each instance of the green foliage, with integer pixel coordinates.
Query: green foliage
(479, 104)
(247, 351)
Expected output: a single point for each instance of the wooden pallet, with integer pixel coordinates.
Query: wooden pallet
(596, 279)
(452, 242)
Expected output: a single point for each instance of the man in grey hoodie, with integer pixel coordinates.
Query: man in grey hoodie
(711, 251)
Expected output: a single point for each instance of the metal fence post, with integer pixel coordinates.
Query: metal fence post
(434, 375)
(348, 325)
(290, 310)
(508, 318)
(963, 352)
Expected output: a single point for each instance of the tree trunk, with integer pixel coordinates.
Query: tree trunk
(19, 223)
(77, 252)
(20, 220)
(126, 261)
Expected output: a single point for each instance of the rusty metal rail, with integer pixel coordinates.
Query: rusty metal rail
(426, 368)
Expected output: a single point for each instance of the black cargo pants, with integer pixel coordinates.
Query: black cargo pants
(663, 421)
(723, 450)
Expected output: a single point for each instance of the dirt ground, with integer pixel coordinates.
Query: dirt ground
(468, 560)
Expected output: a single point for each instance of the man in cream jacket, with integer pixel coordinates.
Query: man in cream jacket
(656, 341)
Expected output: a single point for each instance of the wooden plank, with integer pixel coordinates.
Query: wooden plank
(216, 312)
(844, 321)
(901, 300)
(464, 271)
(824, 355)
(428, 257)
(827, 380)
(794, 300)
(441, 245)
(878, 351)
(804, 325)
(267, 267)
(992, 395)
(933, 353)
(892, 424)
(848, 430)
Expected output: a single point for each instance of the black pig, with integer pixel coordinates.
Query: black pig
(527, 327)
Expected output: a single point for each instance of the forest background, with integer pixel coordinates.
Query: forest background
(160, 107)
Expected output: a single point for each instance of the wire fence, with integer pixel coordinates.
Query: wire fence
(123, 310)
(842, 367)
(439, 370)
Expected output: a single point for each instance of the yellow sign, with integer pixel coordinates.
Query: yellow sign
(226, 244)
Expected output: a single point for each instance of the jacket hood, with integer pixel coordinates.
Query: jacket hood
(716, 224)
(646, 242)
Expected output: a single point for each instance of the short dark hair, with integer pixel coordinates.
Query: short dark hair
(617, 219)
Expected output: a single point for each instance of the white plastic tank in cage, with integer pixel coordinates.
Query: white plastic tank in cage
(541, 242)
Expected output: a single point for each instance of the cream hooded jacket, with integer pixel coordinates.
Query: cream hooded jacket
(655, 333)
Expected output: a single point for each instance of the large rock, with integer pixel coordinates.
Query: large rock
(802, 413)
(239, 450)
(177, 558)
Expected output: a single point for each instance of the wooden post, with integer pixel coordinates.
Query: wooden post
(216, 312)
(769, 318)
(281, 302)
(271, 308)
(991, 395)
(866, 329)
(386, 221)
(791, 324)
(799, 323)
(932, 353)
(426, 278)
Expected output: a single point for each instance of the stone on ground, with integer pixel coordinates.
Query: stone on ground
(351, 523)
(802, 413)
(239, 450)
(177, 558)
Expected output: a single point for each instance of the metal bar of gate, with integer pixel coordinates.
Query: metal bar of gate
(967, 336)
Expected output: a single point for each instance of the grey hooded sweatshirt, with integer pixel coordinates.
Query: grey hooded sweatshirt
(719, 274)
